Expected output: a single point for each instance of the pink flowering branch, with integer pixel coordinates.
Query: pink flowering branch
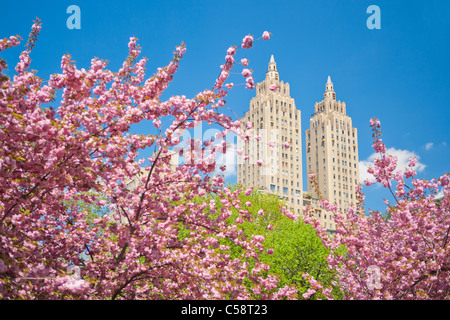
(154, 240)
(409, 249)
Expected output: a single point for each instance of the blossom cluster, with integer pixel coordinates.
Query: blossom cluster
(151, 241)
(409, 246)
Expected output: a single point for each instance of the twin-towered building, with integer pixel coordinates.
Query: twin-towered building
(331, 148)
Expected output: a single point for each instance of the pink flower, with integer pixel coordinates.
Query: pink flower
(224, 75)
(412, 162)
(246, 73)
(287, 145)
(261, 212)
(230, 60)
(3, 267)
(409, 173)
(273, 87)
(250, 83)
(244, 62)
(248, 204)
(181, 50)
(270, 227)
(374, 122)
(259, 162)
(249, 125)
(157, 122)
(270, 251)
(222, 93)
(36, 27)
(247, 42)
(248, 192)
(266, 35)
(309, 293)
(231, 50)
(229, 85)
(271, 144)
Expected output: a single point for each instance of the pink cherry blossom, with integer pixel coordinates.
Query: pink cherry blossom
(309, 293)
(231, 50)
(399, 246)
(250, 83)
(229, 85)
(412, 162)
(81, 151)
(157, 123)
(247, 42)
(266, 35)
(246, 73)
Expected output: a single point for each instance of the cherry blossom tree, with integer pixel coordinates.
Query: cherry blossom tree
(147, 242)
(403, 257)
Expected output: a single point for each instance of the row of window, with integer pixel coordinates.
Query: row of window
(332, 130)
(321, 107)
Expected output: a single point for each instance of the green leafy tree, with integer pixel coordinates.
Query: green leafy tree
(291, 247)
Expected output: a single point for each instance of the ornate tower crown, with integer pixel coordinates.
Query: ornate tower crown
(329, 92)
(272, 73)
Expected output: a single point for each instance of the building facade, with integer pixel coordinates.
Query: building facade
(331, 149)
(332, 153)
(276, 119)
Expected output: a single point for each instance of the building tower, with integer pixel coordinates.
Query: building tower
(275, 118)
(332, 153)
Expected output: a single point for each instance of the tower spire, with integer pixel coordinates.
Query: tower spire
(272, 72)
(329, 92)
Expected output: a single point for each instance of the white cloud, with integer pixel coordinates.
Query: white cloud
(363, 166)
(429, 145)
(440, 194)
(402, 163)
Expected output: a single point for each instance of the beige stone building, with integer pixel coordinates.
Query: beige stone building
(332, 153)
(276, 119)
(331, 148)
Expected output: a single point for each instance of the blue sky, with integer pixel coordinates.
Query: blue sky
(399, 74)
